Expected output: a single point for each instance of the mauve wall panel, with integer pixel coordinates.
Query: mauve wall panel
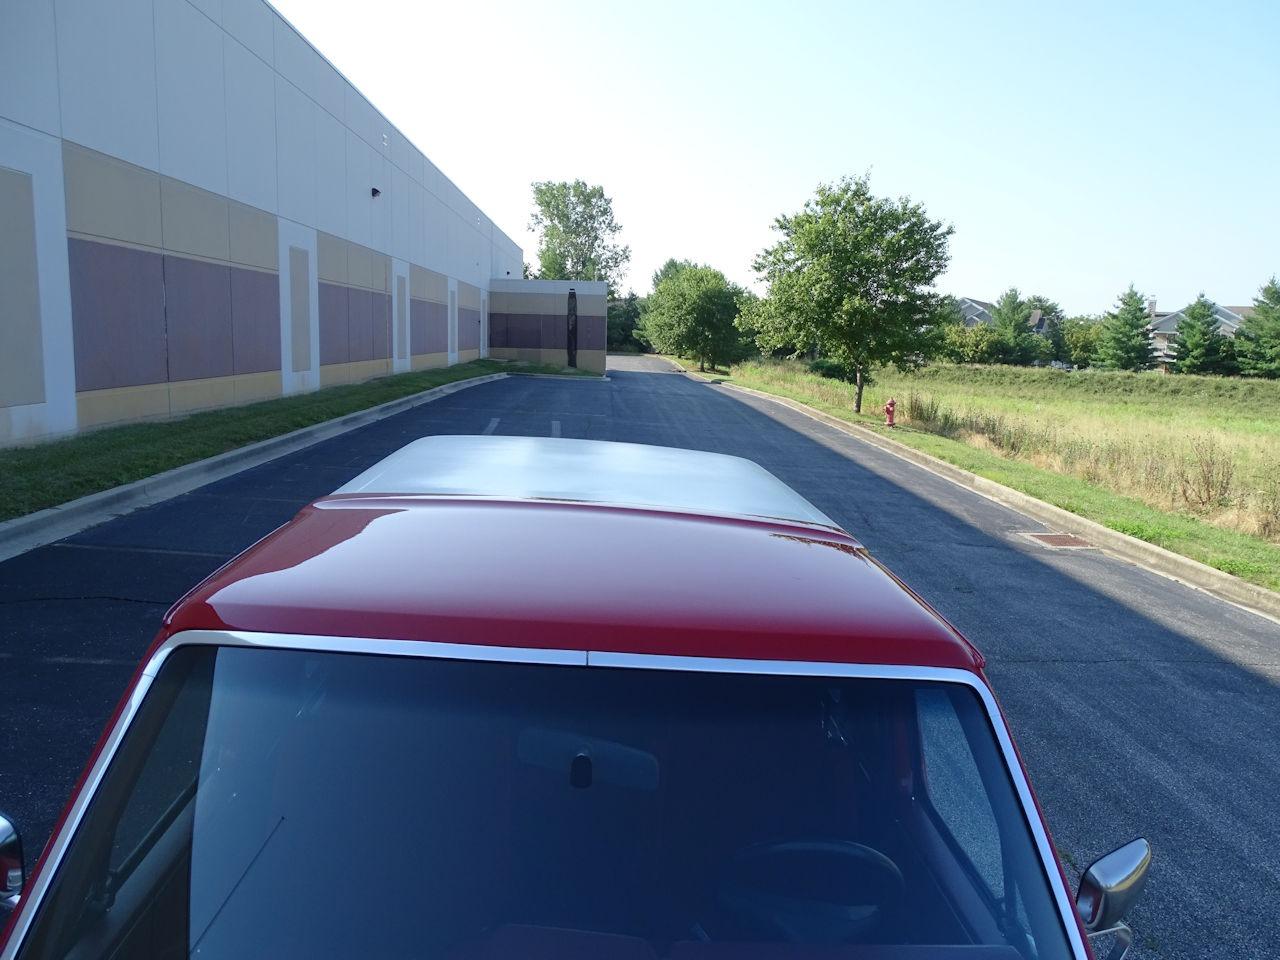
(333, 323)
(360, 325)
(591, 333)
(117, 315)
(255, 321)
(417, 326)
(197, 308)
(555, 333)
(497, 329)
(468, 328)
(435, 326)
(381, 326)
(524, 331)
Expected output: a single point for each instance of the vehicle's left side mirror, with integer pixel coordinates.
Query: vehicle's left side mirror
(13, 871)
(1110, 886)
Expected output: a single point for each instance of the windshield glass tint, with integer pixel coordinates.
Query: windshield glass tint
(297, 804)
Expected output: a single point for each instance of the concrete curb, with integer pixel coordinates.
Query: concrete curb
(1224, 586)
(55, 523)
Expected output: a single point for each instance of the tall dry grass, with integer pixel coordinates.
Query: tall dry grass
(1231, 479)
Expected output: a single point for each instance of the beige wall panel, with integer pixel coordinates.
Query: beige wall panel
(97, 407)
(359, 266)
(254, 240)
(428, 285)
(381, 272)
(252, 387)
(554, 358)
(468, 296)
(502, 353)
(109, 198)
(466, 356)
(592, 305)
(331, 254)
(428, 361)
(194, 221)
(300, 308)
(21, 338)
(592, 360)
(187, 396)
(355, 372)
(544, 304)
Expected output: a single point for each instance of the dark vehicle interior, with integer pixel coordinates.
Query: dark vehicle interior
(296, 804)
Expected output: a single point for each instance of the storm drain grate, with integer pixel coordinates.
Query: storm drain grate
(1060, 541)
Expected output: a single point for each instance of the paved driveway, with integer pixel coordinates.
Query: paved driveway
(1141, 705)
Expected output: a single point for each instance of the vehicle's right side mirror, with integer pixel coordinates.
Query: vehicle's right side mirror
(13, 871)
(1111, 886)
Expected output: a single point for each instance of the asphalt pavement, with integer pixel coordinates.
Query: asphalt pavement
(1141, 706)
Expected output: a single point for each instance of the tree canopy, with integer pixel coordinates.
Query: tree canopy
(1258, 339)
(692, 313)
(577, 232)
(1124, 342)
(670, 269)
(1011, 318)
(852, 276)
(1198, 347)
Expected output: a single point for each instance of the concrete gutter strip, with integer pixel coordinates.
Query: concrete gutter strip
(56, 523)
(1147, 555)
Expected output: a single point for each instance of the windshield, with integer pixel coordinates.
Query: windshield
(296, 804)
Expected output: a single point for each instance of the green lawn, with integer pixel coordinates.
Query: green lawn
(1248, 557)
(35, 477)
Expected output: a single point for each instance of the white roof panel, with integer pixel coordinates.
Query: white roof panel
(590, 471)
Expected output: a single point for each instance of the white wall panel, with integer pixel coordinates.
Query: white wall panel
(251, 126)
(380, 210)
(29, 65)
(295, 235)
(359, 184)
(210, 8)
(191, 103)
(401, 214)
(295, 153)
(107, 77)
(417, 224)
(296, 60)
(253, 24)
(40, 155)
(331, 90)
(331, 170)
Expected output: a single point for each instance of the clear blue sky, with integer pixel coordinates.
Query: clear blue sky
(1076, 147)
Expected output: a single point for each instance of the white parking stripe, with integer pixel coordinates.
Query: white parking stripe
(555, 428)
(493, 425)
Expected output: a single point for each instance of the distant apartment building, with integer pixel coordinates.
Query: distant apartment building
(1164, 326)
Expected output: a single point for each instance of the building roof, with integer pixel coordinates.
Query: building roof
(1229, 319)
(588, 471)
(572, 576)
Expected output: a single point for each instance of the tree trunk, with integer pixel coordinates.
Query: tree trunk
(857, 393)
(702, 365)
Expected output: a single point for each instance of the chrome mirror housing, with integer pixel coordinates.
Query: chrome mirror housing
(1109, 888)
(13, 871)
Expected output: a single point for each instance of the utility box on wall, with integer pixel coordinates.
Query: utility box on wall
(530, 320)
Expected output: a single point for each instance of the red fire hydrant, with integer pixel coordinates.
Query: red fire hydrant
(888, 412)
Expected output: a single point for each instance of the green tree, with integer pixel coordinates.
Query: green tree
(1258, 339)
(977, 344)
(1010, 320)
(670, 269)
(852, 276)
(1080, 339)
(1198, 347)
(1052, 318)
(576, 233)
(1124, 342)
(692, 313)
(623, 316)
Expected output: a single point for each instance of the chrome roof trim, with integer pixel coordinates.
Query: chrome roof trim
(415, 648)
(585, 471)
